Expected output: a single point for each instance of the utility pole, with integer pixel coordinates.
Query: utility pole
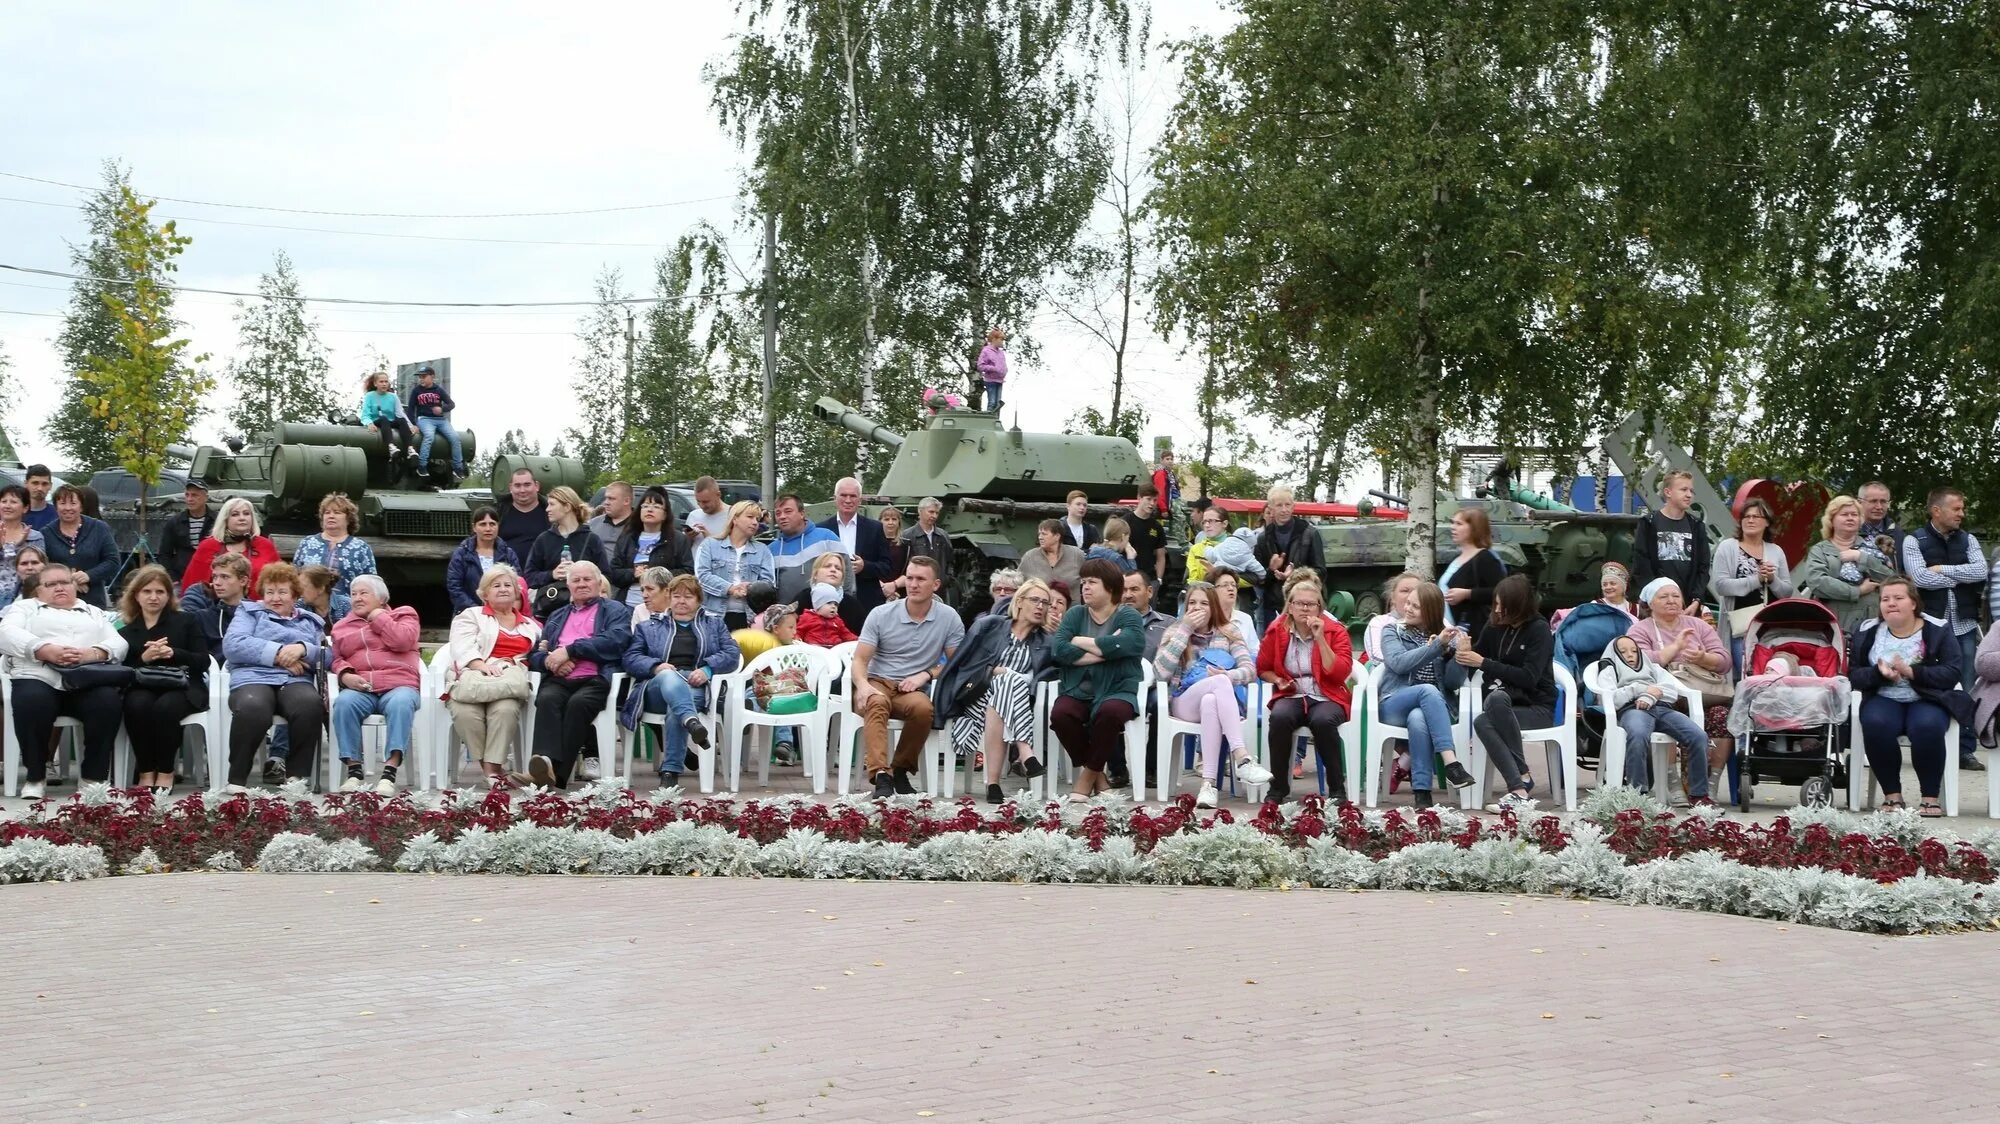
(770, 424)
(625, 424)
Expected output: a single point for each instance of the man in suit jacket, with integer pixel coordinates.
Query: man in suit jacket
(180, 536)
(867, 548)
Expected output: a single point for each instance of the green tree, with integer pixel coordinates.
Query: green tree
(927, 164)
(281, 372)
(512, 442)
(145, 393)
(603, 393)
(697, 367)
(1408, 194)
(9, 395)
(90, 330)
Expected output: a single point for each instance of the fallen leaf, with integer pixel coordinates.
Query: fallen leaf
(1215, 1071)
(367, 1012)
(1822, 1036)
(1548, 1014)
(374, 901)
(830, 917)
(1249, 981)
(1715, 960)
(1464, 969)
(1536, 951)
(848, 972)
(819, 987)
(477, 920)
(877, 964)
(1725, 1075)
(926, 1112)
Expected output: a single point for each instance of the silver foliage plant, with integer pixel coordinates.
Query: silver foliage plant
(38, 860)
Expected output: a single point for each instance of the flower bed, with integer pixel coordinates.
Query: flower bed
(1881, 873)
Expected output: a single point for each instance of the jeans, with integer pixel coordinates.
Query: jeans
(1668, 719)
(398, 705)
(668, 693)
(1885, 720)
(1421, 709)
(993, 397)
(431, 427)
(1499, 727)
(1323, 717)
(1968, 648)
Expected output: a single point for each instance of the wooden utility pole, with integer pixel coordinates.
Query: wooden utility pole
(625, 423)
(769, 428)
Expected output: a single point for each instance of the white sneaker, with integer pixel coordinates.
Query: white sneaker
(351, 784)
(1521, 805)
(33, 790)
(591, 770)
(1251, 773)
(1208, 796)
(235, 790)
(385, 788)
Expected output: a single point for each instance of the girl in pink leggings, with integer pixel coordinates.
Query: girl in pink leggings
(1207, 662)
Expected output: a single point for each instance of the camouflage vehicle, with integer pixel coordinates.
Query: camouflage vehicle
(411, 528)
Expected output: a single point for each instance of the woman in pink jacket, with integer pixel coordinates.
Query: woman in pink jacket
(993, 367)
(378, 670)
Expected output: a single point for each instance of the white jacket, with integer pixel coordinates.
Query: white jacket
(28, 624)
(473, 634)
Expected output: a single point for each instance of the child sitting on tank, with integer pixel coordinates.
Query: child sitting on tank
(382, 412)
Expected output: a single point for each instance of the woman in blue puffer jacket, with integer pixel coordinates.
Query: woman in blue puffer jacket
(274, 655)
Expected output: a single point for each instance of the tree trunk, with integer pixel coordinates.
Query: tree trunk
(1421, 556)
(868, 282)
(1208, 424)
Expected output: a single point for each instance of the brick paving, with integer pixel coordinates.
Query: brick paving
(415, 999)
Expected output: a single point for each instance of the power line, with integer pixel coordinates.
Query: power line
(381, 214)
(364, 301)
(356, 233)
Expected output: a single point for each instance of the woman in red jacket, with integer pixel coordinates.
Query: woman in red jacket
(236, 532)
(1305, 656)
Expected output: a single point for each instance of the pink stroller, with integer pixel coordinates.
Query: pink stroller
(1790, 712)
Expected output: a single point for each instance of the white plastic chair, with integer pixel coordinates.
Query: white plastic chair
(1863, 791)
(1272, 757)
(417, 768)
(448, 755)
(819, 667)
(69, 738)
(1168, 730)
(218, 753)
(1375, 759)
(1611, 761)
(1560, 739)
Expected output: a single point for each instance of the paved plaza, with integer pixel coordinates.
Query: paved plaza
(210, 997)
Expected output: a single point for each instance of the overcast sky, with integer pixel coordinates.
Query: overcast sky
(415, 108)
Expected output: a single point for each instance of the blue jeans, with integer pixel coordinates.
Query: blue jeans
(993, 397)
(1670, 720)
(398, 705)
(1420, 707)
(1924, 722)
(668, 693)
(431, 427)
(1968, 648)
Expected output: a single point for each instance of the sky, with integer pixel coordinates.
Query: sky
(431, 109)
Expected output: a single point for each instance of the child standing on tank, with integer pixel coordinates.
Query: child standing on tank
(993, 367)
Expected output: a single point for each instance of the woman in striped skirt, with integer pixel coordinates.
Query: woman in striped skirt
(1008, 654)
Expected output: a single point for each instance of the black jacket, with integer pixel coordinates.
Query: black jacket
(212, 617)
(1520, 658)
(583, 544)
(1297, 540)
(1477, 576)
(974, 660)
(1936, 677)
(671, 552)
(176, 548)
(191, 649)
(872, 544)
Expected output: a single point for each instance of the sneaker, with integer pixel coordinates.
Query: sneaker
(784, 754)
(1702, 802)
(1518, 804)
(1033, 768)
(33, 790)
(274, 774)
(542, 771)
(352, 783)
(993, 794)
(1420, 797)
(669, 780)
(385, 788)
(901, 783)
(592, 770)
(1458, 775)
(1251, 773)
(885, 787)
(1208, 797)
(1398, 775)
(696, 732)
(235, 790)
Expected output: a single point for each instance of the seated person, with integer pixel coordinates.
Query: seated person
(822, 626)
(1116, 547)
(1644, 696)
(274, 651)
(379, 671)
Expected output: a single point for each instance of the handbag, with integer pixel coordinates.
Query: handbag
(1700, 680)
(511, 683)
(549, 598)
(87, 676)
(160, 677)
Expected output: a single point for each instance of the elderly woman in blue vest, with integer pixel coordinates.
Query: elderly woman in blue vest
(1907, 671)
(582, 644)
(1949, 570)
(673, 655)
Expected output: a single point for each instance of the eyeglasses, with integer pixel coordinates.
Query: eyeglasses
(1034, 600)
(57, 583)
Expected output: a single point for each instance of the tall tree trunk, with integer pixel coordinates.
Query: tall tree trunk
(1208, 424)
(868, 280)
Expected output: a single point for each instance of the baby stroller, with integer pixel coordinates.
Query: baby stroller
(1790, 712)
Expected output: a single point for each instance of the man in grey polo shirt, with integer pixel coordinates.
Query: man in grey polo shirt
(903, 648)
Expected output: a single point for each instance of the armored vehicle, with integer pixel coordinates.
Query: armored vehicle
(411, 528)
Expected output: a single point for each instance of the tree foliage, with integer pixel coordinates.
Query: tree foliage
(928, 164)
(281, 372)
(602, 390)
(145, 393)
(90, 329)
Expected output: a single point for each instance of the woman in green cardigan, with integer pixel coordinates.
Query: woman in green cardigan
(1100, 647)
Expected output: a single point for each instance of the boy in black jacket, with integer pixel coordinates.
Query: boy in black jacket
(1672, 543)
(431, 405)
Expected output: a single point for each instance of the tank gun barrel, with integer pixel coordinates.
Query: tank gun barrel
(181, 452)
(1385, 497)
(1035, 509)
(1584, 518)
(834, 412)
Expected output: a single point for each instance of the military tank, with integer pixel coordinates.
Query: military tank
(996, 483)
(410, 523)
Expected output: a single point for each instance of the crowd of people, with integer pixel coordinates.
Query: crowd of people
(551, 598)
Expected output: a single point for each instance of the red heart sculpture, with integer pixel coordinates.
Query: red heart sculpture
(1795, 513)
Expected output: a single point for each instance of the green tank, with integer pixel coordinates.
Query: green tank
(410, 523)
(996, 484)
